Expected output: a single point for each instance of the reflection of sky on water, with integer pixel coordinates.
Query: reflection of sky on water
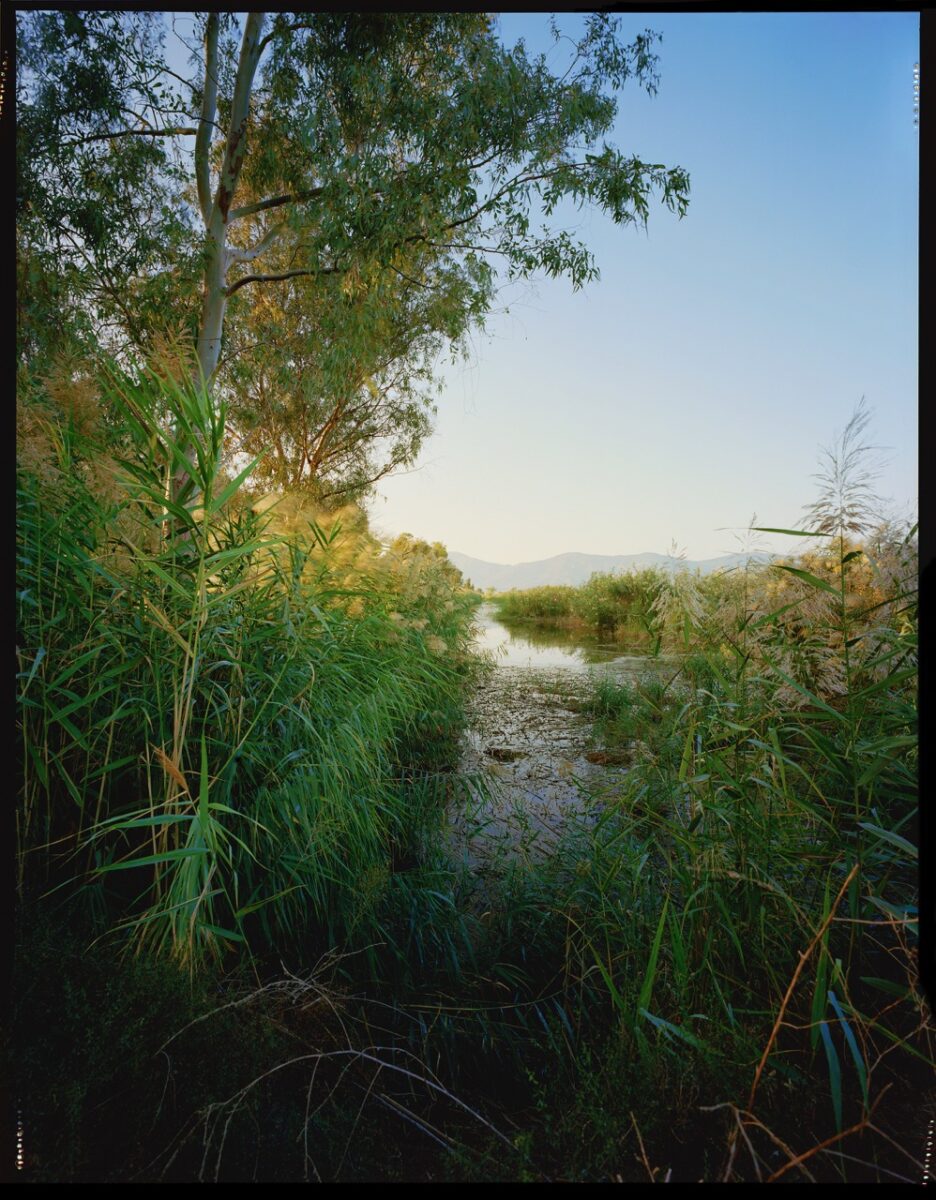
(537, 648)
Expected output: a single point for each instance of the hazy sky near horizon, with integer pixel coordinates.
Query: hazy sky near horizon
(693, 385)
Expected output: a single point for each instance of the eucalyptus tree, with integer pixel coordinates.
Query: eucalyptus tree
(335, 384)
(346, 150)
(100, 178)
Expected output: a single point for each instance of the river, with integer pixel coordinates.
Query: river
(529, 751)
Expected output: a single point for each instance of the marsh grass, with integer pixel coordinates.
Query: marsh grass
(747, 907)
(715, 977)
(214, 748)
(238, 734)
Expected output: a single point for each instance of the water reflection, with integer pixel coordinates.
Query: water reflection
(535, 646)
(528, 755)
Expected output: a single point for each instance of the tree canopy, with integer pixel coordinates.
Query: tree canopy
(322, 202)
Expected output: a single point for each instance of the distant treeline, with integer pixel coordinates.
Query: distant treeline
(619, 604)
(654, 609)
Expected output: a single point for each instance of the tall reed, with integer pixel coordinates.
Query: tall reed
(214, 748)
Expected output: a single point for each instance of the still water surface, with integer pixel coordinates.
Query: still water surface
(542, 647)
(531, 746)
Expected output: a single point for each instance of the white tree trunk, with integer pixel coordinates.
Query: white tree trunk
(215, 209)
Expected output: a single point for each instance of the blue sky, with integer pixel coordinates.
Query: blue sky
(693, 385)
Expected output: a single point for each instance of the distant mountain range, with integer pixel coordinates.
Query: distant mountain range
(575, 569)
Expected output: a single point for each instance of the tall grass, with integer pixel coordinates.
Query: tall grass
(744, 909)
(215, 750)
(715, 976)
(238, 729)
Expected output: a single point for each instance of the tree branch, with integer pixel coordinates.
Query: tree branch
(273, 202)
(409, 278)
(355, 485)
(248, 255)
(166, 71)
(314, 459)
(120, 133)
(277, 30)
(466, 246)
(238, 284)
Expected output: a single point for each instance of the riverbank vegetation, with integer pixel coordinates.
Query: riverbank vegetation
(197, 714)
(243, 765)
(248, 944)
(760, 862)
(618, 606)
(233, 741)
